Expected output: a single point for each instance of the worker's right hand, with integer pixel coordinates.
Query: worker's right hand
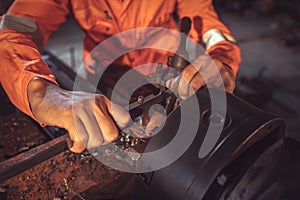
(89, 118)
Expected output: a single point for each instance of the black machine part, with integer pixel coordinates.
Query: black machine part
(247, 133)
(181, 59)
(274, 175)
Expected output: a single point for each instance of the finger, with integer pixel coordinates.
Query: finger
(157, 116)
(189, 72)
(212, 74)
(229, 85)
(155, 124)
(69, 142)
(91, 125)
(200, 65)
(228, 78)
(107, 125)
(79, 136)
(197, 82)
(169, 82)
(183, 88)
(119, 114)
(192, 78)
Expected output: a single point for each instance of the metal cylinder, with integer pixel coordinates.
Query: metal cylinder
(247, 133)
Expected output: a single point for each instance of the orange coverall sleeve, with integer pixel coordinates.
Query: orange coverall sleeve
(20, 60)
(205, 18)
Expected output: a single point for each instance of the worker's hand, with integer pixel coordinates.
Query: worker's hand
(89, 118)
(157, 117)
(205, 72)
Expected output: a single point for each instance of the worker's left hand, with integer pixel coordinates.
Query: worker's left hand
(205, 71)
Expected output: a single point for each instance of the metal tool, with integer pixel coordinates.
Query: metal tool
(180, 59)
(165, 97)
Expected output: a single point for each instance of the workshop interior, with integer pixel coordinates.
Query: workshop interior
(257, 155)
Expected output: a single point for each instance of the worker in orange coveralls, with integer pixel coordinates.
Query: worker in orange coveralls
(32, 88)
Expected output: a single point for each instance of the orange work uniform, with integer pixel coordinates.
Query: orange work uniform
(28, 24)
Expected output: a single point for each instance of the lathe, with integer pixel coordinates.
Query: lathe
(242, 163)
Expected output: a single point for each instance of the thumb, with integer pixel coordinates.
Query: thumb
(184, 88)
(119, 114)
(157, 119)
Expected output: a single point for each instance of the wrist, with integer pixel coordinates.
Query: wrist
(39, 93)
(36, 91)
(227, 53)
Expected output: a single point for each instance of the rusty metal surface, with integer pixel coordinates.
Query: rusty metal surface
(32, 157)
(66, 175)
(18, 134)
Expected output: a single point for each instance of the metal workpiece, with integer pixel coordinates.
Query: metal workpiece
(128, 138)
(159, 73)
(127, 157)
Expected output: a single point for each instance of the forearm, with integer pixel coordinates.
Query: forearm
(23, 32)
(228, 54)
(20, 63)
